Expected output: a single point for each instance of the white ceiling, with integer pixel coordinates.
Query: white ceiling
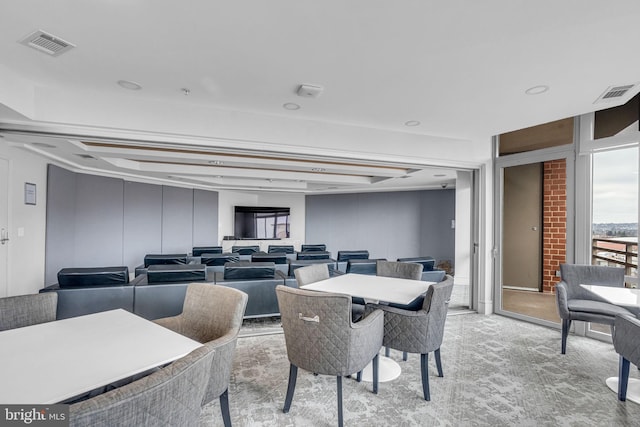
(460, 68)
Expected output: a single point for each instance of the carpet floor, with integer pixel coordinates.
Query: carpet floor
(497, 372)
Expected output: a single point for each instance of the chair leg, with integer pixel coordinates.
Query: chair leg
(404, 356)
(375, 367)
(424, 368)
(359, 376)
(623, 379)
(224, 407)
(293, 375)
(438, 362)
(339, 380)
(386, 351)
(566, 324)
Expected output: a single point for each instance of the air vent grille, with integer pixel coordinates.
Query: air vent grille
(47, 43)
(614, 92)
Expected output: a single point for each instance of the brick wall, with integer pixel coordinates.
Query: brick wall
(554, 229)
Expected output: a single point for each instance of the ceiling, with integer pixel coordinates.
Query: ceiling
(218, 80)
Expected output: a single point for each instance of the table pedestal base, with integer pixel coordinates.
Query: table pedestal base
(388, 370)
(633, 388)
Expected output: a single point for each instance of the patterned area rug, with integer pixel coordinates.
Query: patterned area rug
(497, 372)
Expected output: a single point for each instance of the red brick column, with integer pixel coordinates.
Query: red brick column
(554, 229)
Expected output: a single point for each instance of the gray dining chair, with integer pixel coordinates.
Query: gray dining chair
(577, 303)
(626, 341)
(27, 310)
(213, 316)
(171, 396)
(401, 270)
(321, 337)
(311, 274)
(419, 331)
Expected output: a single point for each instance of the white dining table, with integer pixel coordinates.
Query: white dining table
(55, 361)
(374, 289)
(629, 297)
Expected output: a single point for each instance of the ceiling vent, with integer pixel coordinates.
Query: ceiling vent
(47, 43)
(614, 93)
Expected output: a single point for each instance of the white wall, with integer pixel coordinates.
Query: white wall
(228, 199)
(25, 253)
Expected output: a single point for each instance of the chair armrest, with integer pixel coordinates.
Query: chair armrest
(562, 299)
(366, 340)
(225, 348)
(626, 338)
(174, 323)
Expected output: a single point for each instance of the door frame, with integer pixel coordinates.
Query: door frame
(566, 152)
(4, 205)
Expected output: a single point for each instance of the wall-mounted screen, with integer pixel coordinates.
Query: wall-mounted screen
(259, 222)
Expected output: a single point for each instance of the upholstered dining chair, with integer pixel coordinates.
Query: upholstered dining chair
(171, 396)
(321, 338)
(401, 270)
(626, 341)
(577, 303)
(311, 274)
(27, 310)
(419, 331)
(213, 316)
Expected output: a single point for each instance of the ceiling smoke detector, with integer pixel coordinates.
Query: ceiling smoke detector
(47, 43)
(310, 91)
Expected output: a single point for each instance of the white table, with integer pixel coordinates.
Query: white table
(375, 289)
(55, 361)
(625, 297)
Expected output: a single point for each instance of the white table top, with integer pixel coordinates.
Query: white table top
(374, 288)
(618, 296)
(51, 362)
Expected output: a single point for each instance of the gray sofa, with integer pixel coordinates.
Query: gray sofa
(259, 281)
(90, 290)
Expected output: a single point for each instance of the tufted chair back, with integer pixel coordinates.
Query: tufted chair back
(311, 274)
(26, 310)
(401, 270)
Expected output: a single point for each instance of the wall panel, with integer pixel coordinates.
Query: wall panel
(177, 220)
(142, 222)
(205, 218)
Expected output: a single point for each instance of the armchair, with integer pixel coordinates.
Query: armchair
(27, 310)
(169, 396)
(321, 338)
(213, 316)
(626, 341)
(576, 303)
(419, 331)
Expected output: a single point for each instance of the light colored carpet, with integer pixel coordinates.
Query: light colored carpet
(497, 372)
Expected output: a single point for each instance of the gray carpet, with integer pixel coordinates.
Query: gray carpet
(497, 372)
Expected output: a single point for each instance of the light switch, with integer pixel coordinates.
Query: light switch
(20, 231)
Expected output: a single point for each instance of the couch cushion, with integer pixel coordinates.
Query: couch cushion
(275, 257)
(362, 266)
(176, 273)
(219, 259)
(199, 250)
(245, 250)
(310, 248)
(427, 262)
(313, 255)
(347, 255)
(244, 270)
(95, 276)
(597, 307)
(281, 249)
(155, 259)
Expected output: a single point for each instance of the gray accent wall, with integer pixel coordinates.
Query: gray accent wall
(389, 225)
(95, 221)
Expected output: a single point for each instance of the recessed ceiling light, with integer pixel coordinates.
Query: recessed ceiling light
(412, 123)
(127, 84)
(537, 90)
(318, 169)
(215, 162)
(185, 91)
(290, 106)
